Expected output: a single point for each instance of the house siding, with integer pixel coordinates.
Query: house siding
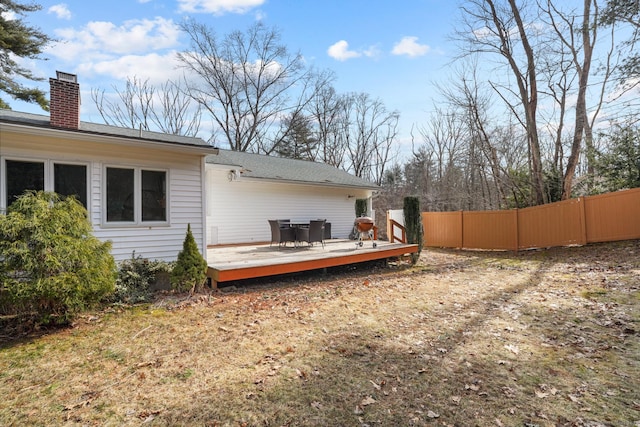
(184, 173)
(237, 211)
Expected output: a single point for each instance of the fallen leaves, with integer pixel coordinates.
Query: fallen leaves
(367, 401)
(545, 391)
(541, 394)
(512, 348)
(458, 341)
(85, 401)
(472, 387)
(432, 414)
(375, 385)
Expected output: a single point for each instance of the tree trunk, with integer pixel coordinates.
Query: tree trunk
(581, 107)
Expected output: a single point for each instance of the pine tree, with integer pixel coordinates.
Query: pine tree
(190, 270)
(298, 142)
(620, 164)
(413, 224)
(17, 39)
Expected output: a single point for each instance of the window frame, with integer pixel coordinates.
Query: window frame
(49, 176)
(137, 197)
(87, 178)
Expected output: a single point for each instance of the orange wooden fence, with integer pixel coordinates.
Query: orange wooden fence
(601, 218)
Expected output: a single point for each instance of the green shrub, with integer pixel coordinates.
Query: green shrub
(190, 270)
(361, 207)
(135, 277)
(52, 265)
(413, 224)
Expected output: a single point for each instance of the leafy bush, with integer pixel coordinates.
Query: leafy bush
(413, 224)
(190, 270)
(135, 277)
(52, 265)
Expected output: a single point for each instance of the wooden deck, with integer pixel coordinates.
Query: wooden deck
(245, 262)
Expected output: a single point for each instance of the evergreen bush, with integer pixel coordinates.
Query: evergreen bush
(413, 224)
(52, 266)
(361, 210)
(361, 207)
(190, 270)
(135, 277)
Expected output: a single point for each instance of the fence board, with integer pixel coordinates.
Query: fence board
(554, 224)
(490, 230)
(601, 218)
(442, 229)
(613, 216)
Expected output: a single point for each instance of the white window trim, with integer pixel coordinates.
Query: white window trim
(49, 184)
(137, 202)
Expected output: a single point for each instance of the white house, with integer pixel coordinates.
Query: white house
(244, 190)
(141, 188)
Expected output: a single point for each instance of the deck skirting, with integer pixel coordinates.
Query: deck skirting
(247, 262)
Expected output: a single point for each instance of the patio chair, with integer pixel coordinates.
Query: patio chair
(315, 232)
(281, 234)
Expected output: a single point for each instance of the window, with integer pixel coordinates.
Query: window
(120, 201)
(71, 180)
(154, 194)
(135, 195)
(23, 176)
(64, 179)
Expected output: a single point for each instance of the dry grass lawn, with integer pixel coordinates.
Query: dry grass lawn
(539, 338)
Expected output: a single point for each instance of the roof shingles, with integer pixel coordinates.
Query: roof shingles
(259, 166)
(41, 121)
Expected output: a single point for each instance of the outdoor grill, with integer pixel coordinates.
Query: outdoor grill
(364, 228)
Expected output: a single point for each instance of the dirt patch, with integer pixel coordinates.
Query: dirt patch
(549, 337)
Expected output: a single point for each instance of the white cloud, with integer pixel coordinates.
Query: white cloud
(340, 51)
(218, 7)
(100, 39)
(9, 16)
(409, 46)
(61, 10)
(155, 67)
(372, 52)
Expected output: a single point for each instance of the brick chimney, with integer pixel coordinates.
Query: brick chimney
(64, 103)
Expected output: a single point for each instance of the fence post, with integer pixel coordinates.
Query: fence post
(583, 220)
(461, 229)
(517, 230)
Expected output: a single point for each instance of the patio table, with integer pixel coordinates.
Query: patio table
(296, 226)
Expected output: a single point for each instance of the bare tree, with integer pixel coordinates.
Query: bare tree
(497, 28)
(540, 42)
(574, 38)
(368, 131)
(588, 33)
(556, 69)
(626, 12)
(247, 81)
(326, 110)
(444, 144)
(166, 108)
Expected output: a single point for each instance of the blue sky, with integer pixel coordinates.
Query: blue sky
(392, 50)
